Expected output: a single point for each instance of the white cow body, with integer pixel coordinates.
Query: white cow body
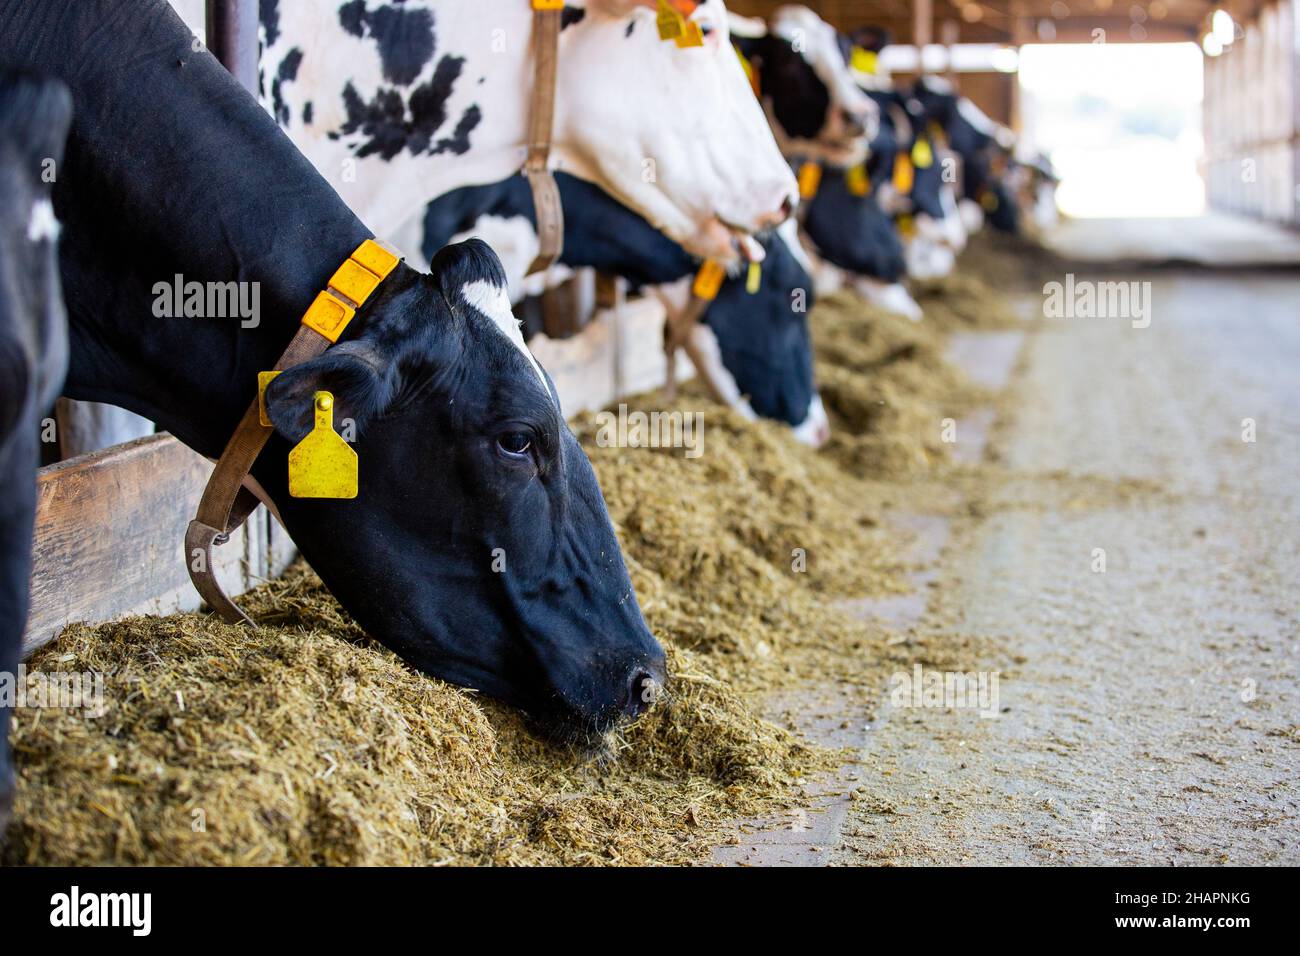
(674, 133)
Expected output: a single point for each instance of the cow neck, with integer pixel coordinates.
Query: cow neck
(173, 169)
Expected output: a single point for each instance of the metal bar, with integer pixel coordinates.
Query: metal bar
(232, 37)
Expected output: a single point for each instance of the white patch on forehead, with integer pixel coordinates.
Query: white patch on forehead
(514, 240)
(493, 301)
(42, 224)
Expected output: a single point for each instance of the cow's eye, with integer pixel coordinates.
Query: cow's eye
(514, 443)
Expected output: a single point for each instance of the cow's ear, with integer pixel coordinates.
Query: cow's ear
(362, 382)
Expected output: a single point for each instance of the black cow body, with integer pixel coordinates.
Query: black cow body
(852, 231)
(762, 336)
(34, 115)
(971, 136)
(479, 547)
(599, 232)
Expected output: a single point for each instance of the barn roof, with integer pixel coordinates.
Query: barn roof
(1017, 21)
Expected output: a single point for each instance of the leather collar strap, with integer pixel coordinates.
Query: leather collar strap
(679, 327)
(226, 502)
(546, 194)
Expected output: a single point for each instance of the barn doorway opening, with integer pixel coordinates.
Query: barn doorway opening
(1121, 123)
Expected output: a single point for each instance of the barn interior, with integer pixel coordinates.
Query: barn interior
(1089, 515)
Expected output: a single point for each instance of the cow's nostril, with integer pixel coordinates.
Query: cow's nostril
(787, 208)
(643, 691)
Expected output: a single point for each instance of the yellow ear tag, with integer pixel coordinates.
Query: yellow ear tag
(922, 154)
(263, 380)
(692, 35)
(671, 23)
(754, 278)
(864, 61)
(989, 200)
(709, 280)
(323, 465)
(857, 181)
(903, 173)
(548, 4)
(906, 226)
(810, 177)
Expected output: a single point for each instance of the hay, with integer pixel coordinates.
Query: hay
(303, 742)
(887, 388)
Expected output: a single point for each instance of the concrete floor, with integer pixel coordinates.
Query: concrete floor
(1216, 239)
(1148, 712)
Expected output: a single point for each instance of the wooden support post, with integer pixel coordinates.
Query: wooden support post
(1290, 28)
(922, 29)
(949, 34)
(231, 27)
(1020, 35)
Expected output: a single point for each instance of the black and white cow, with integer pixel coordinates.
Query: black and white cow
(758, 341)
(850, 233)
(799, 68)
(400, 102)
(978, 142)
(479, 547)
(923, 201)
(34, 116)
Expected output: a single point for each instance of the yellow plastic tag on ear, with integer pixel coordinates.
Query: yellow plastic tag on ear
(904, 175)
(857, 181)
(263, 380)
(671, 23)
(810, 178)
(692, 35)
(754, 278)
(906, 226)
(548, 4)
(709, 280)
(323, 465)
(862, 60)
(922, 154)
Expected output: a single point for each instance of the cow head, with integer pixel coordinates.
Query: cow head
(763, 341)
(675, 133)
(479, 547)
(816, 107)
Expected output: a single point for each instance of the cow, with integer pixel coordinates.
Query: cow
(977, 141)
(854, 242)
(478, 547)
(799, 69)
(398, 103)
(34, 117)
(758, 341)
